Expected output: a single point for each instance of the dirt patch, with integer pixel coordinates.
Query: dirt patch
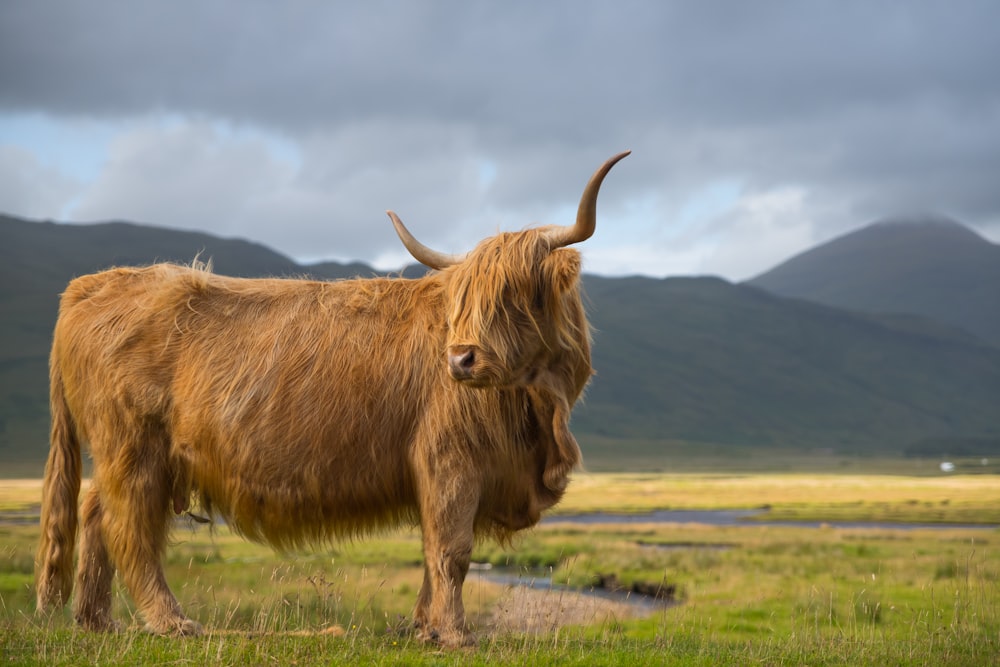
(523, 609)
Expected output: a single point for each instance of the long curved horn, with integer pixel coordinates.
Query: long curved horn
(586, 214)
(421, 253)
(586, 222)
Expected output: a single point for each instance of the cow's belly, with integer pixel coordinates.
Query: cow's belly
(293, 493)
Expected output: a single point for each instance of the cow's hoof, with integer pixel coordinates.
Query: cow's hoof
(453, 639)
(180, 627)
(99, 624)
(189, 628)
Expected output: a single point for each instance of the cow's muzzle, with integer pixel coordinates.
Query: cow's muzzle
(462, 362)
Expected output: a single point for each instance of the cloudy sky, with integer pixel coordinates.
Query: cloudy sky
(758, 129)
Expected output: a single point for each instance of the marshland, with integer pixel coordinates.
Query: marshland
(611, 592)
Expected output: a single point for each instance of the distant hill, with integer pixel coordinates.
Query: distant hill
(37, 259)
(700, 359)
(930, 266)
(695, 360)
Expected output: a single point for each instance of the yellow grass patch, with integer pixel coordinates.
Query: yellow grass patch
(974, 498)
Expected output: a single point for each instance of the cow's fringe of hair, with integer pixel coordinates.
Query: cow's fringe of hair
(512, 285)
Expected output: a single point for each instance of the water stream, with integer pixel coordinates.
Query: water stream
(540, 579)
(746, 518)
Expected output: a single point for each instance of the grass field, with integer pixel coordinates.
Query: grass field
(740, 595)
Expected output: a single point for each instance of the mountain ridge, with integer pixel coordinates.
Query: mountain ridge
(697, 360)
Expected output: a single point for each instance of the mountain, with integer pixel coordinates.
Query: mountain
(702, 360)
(930, 266)
(695, 360)
(37, 259)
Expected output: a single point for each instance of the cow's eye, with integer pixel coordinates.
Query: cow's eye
(539, 302)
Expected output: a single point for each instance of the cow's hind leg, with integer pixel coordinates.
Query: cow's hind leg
(92, 605)
(136, 512)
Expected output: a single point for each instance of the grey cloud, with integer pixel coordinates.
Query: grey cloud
(870, 107)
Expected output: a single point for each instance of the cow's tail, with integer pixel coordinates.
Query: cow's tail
(60, 495)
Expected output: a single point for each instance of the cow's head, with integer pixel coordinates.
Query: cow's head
(514, 312)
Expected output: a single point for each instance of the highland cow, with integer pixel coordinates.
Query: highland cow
(305, 411)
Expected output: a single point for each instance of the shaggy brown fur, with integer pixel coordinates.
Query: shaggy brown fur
(306, 411)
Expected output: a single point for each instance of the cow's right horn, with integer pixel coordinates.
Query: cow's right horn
(586, 214)
(420, 252)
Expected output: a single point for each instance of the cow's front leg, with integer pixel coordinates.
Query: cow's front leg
(448, 540)
(423, 608)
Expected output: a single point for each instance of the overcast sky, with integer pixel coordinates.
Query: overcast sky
(758, 129)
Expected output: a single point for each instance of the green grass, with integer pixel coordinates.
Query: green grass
(683, 647)
(747, 595)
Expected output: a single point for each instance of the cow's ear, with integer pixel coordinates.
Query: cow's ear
(561, 269)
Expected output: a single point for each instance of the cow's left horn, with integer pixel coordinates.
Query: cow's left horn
(586, 214)
(420, 252)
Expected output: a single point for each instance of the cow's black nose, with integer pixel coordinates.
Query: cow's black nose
(461, 361)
